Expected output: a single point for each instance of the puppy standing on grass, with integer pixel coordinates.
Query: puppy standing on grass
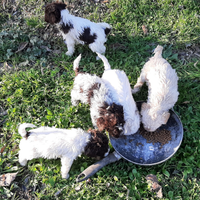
(90, 89)
(112, 106)
(52, 143)
(76, 30)
(118, 84)
(163, 93)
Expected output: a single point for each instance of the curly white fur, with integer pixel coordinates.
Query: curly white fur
(115, 87)
(52, 143)
(94, 33)
(84, 82)
(118, 84)
(162, 82)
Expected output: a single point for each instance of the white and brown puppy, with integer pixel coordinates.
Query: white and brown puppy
(162, 82)
(66, 144)
(118, 84)
(76, 30)
(112, 106)
(90, 89)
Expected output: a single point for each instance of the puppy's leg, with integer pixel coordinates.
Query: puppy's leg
(77, 94)
(98, 47)
(66, 165)
(70, 46)
(22, 159)
(140, 81)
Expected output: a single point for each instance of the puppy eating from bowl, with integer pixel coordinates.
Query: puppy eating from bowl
(162, 82)
(112, 106)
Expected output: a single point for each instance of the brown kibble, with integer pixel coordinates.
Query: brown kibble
(163, 136)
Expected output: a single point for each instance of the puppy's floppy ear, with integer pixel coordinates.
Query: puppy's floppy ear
(165, 117)
(53, 12)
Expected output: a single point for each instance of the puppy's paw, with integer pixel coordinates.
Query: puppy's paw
(23, 163)
(74, 103)
(69, 53)
(65, 176)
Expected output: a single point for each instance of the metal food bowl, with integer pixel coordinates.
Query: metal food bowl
(135, 148)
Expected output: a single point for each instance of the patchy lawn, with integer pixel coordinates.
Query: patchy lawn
(36, 78)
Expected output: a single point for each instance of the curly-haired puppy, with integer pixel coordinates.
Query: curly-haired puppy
(52, 143)
(163, 93)
(108, 99)
(118, 84)
(76, 30)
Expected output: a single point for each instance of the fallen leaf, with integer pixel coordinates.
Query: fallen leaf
(6, 179)
(118, 46)
(45, 47)
(2, 149)
(21, 46)
(186, 102)
(107, 185)
(78, 188)
(153, 182)
(56, 51)
(24, 63)
(3, 113)
(145, 30)
(88, 180)
(15, 148)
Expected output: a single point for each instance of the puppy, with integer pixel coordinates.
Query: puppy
(52, 143)
(163, 93)
(118, 84)
(106, 99)
(76, 30)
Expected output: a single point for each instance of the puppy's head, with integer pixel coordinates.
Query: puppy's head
(53, 12)
(152, 120)
(98, 145)
(111, 119)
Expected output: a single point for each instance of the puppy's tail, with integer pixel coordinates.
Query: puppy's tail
(105, 61)
(22, 128)
(107, 28)
(76, 64)
(158, 50)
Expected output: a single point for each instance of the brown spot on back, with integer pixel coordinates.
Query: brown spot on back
(90, 93)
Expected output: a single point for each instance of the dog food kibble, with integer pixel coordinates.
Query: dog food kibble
(163, 136)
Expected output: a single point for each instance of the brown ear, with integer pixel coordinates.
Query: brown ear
(165, 117)
(52, 12)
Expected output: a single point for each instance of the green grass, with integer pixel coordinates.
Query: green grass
(35, 87)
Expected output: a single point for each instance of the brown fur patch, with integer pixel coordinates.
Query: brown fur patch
(90, 93)
(98, 144)
(111, 117)
(77, 72)
(52, 12)
(27, 135)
